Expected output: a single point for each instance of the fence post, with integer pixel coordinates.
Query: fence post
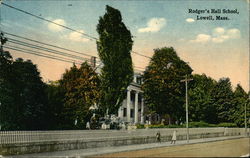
(8, 137)
(0, 137)
(3, 141)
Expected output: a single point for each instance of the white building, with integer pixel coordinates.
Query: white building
(132, 109)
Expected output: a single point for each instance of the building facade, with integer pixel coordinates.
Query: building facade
(133, 108)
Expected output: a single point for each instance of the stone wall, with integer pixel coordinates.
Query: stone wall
(139, 136)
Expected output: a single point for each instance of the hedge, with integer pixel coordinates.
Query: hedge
(191, 125)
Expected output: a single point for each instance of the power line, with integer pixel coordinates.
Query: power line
(16, 47)
(27, 51)
(66, 27)
(10, 40)
(48, 56)
(47, 44)
(46, 49)
(29, 45)
(41, 18)
(141, 54)
(139, 67)
(41, 54)
(138, 70)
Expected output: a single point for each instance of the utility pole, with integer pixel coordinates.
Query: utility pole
(246, 118)
(186, 83)
(3, 40)
(93, 62)
(247, 101)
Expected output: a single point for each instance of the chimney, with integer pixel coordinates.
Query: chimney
(93, 61)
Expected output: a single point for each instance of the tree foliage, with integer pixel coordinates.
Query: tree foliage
(216, 102)
(240, 101)
(114, 46)
(222, 100)
(81, 87)
(55, 97)
(22, 95)
(30, 95)
(200, 91)
(6, 91)
(163, 91)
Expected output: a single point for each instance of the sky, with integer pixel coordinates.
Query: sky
(213, 46)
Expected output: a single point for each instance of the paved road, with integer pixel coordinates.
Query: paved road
(131, 148)
(225, 148)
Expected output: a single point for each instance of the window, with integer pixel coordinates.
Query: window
(132, 113)
(138, 80)
(124, 112)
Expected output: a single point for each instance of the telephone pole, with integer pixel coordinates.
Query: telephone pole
(246, 118)
(186, 83)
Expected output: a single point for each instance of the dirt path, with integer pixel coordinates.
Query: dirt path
(226, 148)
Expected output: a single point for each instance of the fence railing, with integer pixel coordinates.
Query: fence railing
(15, 137)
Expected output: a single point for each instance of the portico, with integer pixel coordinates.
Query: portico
(132, 109)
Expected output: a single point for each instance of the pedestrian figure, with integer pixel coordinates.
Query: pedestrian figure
(87, 125)
(158, 136)
(103, 125)
(173, 137)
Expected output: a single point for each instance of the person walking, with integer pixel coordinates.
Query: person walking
(173, 137)
(158, 136)
(87, 126)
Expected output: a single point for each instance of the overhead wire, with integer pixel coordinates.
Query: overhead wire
(138, 67)
(16, 47)
(40, 54)
(18, 42)
(41, 18)
(27, 51)
(25, 44)
(66, 27)
(32, 40)
(141, 54)
(46, 48)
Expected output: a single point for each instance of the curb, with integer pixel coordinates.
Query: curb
(163, 146)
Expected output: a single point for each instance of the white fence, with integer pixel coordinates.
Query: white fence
(14, 137)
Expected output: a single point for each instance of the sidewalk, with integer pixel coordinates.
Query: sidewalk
(112, 149)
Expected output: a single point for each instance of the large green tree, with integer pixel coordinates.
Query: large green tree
(55, 95)
(6, 91)
(22, 95)
(81, 87)
(240, 100)
(30, 96)
(114, 48)
(6, 99)
(201, 107)
(222, 97)
(163, 91)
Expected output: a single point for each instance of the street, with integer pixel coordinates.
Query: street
(225, 148)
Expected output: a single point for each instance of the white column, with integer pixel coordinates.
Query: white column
(136, 107)
(120, 112)
(142, 111)
(128, 105)
(134, 79)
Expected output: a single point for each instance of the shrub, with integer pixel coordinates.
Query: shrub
(139, 126)
(175, 126)
(165, 126)
(199, 124)
(157, 126)
(226, 124)
(191, 125)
